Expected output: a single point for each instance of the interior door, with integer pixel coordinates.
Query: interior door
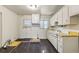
(0, 28)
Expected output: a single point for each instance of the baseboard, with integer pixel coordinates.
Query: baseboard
(23, 39)
(30, 38)
(43, 39)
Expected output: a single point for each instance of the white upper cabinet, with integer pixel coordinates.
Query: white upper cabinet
(65, 15)
(55, 18)
(69, 15)
(52, 21)
(66, 18)
(60, 15)
(73, 10)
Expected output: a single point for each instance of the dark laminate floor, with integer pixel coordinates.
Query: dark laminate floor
(44, 46)
(7, 50)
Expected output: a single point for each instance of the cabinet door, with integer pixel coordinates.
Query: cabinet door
(60, 48)
(0, 29)
(66, 18)
(51, 39)
(73, 10)
(55, 42)
(71, 44)
(60, 17)
(52, 21)
(60, 45)
(55, 18)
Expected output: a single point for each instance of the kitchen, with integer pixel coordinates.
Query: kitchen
(58, 24)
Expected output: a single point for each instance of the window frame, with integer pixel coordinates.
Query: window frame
(27, 20)
(43, 27)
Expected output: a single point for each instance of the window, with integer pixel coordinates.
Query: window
(35, 18)
(43, 24)
(27, 23)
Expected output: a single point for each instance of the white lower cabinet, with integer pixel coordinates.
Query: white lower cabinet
(55, 43)
(52, 38)
(60, 48)
(60, 44)
(64, 44)
(68, 45)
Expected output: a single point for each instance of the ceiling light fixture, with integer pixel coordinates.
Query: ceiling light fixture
(33, 7)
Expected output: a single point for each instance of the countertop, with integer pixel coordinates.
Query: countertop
(69, 36)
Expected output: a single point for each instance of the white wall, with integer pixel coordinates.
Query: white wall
(9, 24)
(32, 32)
(24, 32)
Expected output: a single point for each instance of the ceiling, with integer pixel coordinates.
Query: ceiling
(43, 9)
